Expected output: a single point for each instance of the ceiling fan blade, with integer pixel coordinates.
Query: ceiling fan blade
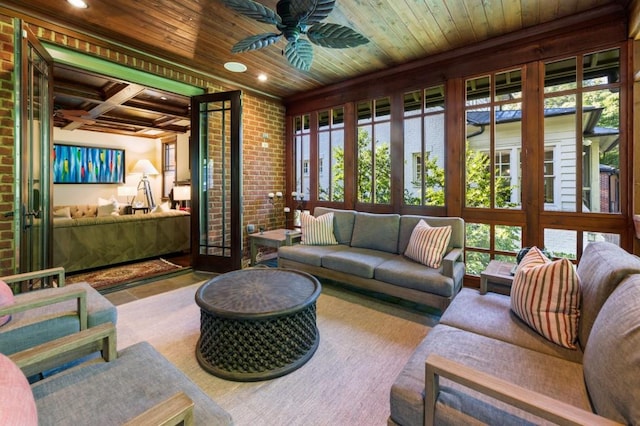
(299, 54)
(255, 42)
(335, 36)
(253, 10)
(309, 12)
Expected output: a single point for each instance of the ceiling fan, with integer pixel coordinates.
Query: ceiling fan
(293, 19)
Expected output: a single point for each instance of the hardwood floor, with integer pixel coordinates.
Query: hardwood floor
(161, 285)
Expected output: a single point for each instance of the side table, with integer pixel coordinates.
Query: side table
(274, 238)
(497, 272)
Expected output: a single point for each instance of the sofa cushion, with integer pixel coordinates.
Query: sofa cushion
(612, 358)
(376, 232)
(546, 295)
(17, 406)
(557, 378)
(356, 261)
(342, 222)
(409, 274)
(6, 299)
(110, 393)
(309, 255)
(601, 268)
(317, 231)
(428, 244)
(491, 315)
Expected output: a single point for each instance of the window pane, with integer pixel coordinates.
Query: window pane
(560, 142)
(374, 159)
(478, 162)
(589, 237)
(561, 243)
(508, 85)
(477, 235)
(560, 75)
(424, 147)
(302, 139)
(601, 68)
(478, 91)
(601, 154)
(476, 262)
(508, 238)
(331, 155)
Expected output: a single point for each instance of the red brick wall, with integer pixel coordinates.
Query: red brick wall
(7, 246)
(263, 168)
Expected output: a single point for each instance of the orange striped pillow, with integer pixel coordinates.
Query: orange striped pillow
(428, 244)
(546, 295)
(317, 231)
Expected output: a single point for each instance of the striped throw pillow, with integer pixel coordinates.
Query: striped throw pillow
(317, 231)
(546, 295)
(428, 244)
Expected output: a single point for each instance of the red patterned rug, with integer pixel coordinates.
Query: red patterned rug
(125, 274)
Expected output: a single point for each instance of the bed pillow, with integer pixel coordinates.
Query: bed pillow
(546, 296)
(317, 231)
(6, 299)
(428, 244)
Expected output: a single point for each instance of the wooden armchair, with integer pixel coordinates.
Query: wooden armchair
(54, 403)
(46, 314)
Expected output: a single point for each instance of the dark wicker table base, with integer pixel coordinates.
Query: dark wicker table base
(251, 350)
(257, 323)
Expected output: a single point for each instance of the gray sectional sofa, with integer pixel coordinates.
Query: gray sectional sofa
(369, 255)
(481, 334)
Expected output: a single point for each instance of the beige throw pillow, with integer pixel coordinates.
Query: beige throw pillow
(546, 295)
(317, 231)
(428, 244)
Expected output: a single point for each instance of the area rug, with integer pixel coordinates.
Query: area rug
(364, 344)
(112, 278)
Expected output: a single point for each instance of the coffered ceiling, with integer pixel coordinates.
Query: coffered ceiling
(200, 34)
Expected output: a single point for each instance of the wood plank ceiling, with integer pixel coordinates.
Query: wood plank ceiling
(200, 33)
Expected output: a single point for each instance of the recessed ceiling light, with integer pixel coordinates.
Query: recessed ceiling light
(262, 77)
(235, 67)
(81, 4)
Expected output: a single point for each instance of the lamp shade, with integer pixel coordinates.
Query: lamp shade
(145, 167)
(127, 191)
(181, 193)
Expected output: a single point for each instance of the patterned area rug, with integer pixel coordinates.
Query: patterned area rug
(104, 279)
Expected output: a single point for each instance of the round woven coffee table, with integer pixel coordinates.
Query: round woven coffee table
(257, 323)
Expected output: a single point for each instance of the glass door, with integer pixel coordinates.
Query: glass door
(216, 174)
(33, 209)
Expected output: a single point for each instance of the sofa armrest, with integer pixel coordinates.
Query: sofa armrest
(27, 276)
(175, 410)
(449, 261)
(37, 358)
(536, 403)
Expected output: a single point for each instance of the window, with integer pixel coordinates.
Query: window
(582, 120)
(494, 129)
(302, 137)
(374, 154)
(424, 128)
(168, 167)
(549, 177)
(331, 146)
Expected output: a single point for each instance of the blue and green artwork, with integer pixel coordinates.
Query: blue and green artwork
(83, 164)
